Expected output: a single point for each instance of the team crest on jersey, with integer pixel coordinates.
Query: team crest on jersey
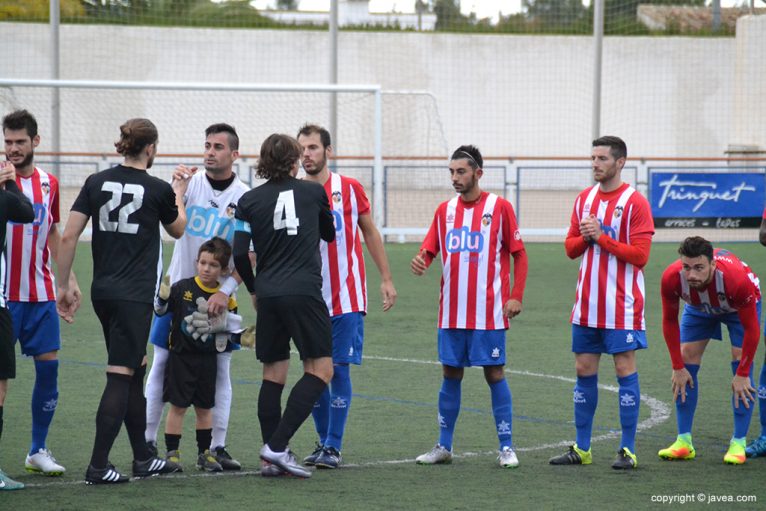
(231, 209)
(517, 235)
(46, 187)
(450, 218)
(336, 197)
(586, 210)
(685, 297)
(187, 296)
(213, 204)
(486, 219)
(721, 297)
(618, 211)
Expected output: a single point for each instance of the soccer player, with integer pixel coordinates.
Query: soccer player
(287, 217)
(127, 206)
(477, 235)
(31, 284)
(14, 207)
(190, 375)
(611, 230)
(758, 446)
(210, 199)
(718, 289)
(344, 288)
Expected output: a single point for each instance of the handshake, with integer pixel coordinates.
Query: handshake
(199, 324)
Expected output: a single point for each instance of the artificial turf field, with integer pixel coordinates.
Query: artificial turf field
(393, 417)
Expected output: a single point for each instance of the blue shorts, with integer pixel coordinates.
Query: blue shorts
(460, 347)
(697, 325)
(347, 338)
(160, 332)
(36, 326)
(587, 339)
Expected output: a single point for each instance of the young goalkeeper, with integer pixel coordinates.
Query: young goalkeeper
(195, 338)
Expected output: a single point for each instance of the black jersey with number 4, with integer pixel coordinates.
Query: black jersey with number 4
(127, 206)
(287, 219)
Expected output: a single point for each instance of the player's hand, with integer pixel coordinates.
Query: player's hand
(247, 338)
(418, 263)
(590, 228)
(512, 308)
(66, 304)
(680, 379)
(7, 172)
(254, 299)
(181, 176)
(164, 292)
(217, 303)
(743, 391)
(388, 292)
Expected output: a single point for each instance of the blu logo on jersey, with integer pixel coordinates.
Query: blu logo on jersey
(608, 230)
(463, 240)
(206, 223)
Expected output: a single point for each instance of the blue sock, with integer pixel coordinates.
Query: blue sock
(762, 399)
(585, 402)
(449, 408)
(321, 414)
(502, 409)
(45, 397)
(630, 402)
(685, 411)
(340, 402)
(742, 415)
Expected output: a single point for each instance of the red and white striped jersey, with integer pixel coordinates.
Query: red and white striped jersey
(29, 274)
(476, 241)
(734, 285)
(610, 292)
(344, 285)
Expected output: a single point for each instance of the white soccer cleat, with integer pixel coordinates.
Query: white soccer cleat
(507, 458)
(43, 462)
(437, 455)
(284, 460)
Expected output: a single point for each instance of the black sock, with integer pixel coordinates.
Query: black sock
(1, 421)
(204, 437)
(135, 416)
(269, 408)
(172, 442)
(109, 417)
(299, 405)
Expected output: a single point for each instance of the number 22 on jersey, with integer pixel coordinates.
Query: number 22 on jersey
(122, 225)
(284, 213)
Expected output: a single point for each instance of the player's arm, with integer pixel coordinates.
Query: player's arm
(67, 300)
(671, 331)
(175, 226)
(19, 208)
(428, 249)
(218, 301)
(740, 385)
(54, 242)
(513, 307)
(326, 220)
(575, 243)
(374, 242)
(242, 262)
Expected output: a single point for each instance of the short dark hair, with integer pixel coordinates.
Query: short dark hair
(616, 146)
(135, 135)
(220, 249)
(309, 129)
(21, 120)
(695, 246)
(279, 153)
(222, 127)
(470, 153)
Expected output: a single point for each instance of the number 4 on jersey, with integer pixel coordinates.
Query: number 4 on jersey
(284, 213)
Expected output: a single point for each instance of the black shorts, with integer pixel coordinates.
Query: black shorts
(126, 328)
(190, 379)
(304, 319)
(7, 344)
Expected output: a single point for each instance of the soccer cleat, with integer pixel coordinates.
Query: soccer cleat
(311, 459)
(679, 450)
(625, 460)
(154, 466)
(438, 455)
(735, 455)
(175, 457)
(284, 460)
(574, 456)
(271, 470)
(757, 447)
(108, 475)
(43, 462)
(329, 458)
(507, 458)
(8, 484)
(225, 459)
(207, 462)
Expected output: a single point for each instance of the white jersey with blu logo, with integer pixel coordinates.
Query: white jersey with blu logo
(209, 213)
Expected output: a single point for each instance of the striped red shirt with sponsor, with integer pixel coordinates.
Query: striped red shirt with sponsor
(610, 292)
(344, 285)
(29, 276)
(476, 241)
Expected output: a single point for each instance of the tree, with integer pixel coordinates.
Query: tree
(287, 5)
(448, 14)
(555, 14)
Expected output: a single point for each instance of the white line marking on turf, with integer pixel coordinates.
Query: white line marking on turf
(659, 412)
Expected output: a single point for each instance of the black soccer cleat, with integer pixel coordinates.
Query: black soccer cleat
(225, 459)
(330, 458)
(311, 459)
(154, 466)
(625, 460)
(574, 456)
(108, 475)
